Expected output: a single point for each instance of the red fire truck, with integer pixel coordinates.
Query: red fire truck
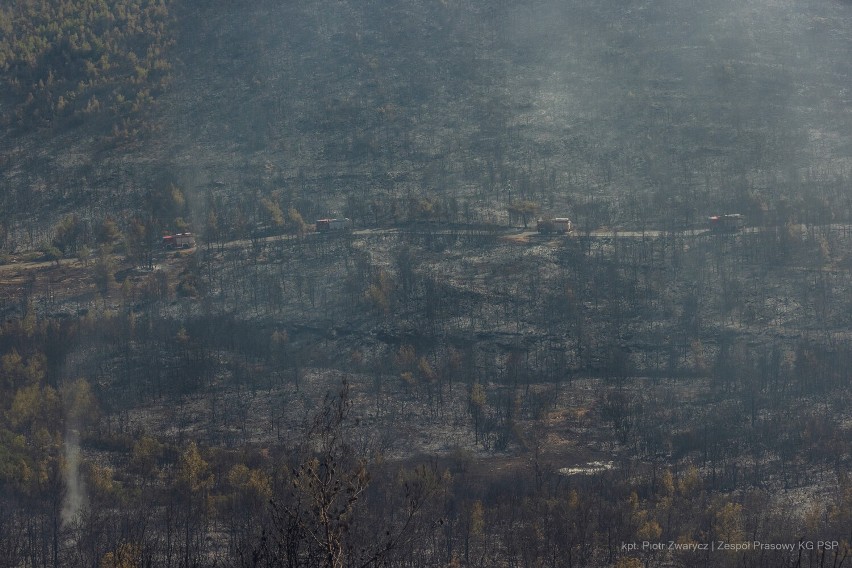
(180, 240)
(730, 223)
(329, 225)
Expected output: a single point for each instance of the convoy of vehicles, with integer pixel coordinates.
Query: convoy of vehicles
(728, 223)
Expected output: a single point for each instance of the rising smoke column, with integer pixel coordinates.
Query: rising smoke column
(75, 491)
(79, 406)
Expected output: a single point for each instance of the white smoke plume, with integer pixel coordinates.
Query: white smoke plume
(75, 491)
(79, 407)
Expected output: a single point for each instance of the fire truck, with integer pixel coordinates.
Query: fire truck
(180, 240)
(560, 225)
(331, 225)
(730, 223)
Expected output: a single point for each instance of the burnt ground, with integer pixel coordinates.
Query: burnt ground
(515, 351)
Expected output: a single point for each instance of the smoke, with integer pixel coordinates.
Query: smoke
(75, 491)
(79, 407)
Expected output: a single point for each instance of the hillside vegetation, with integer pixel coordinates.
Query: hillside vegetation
(99, 63)
(640, 113)
(439, 384)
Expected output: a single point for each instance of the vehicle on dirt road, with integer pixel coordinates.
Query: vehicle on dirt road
(558, 225)
(180, 240)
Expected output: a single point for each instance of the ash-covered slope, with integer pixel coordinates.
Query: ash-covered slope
(369, 109)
